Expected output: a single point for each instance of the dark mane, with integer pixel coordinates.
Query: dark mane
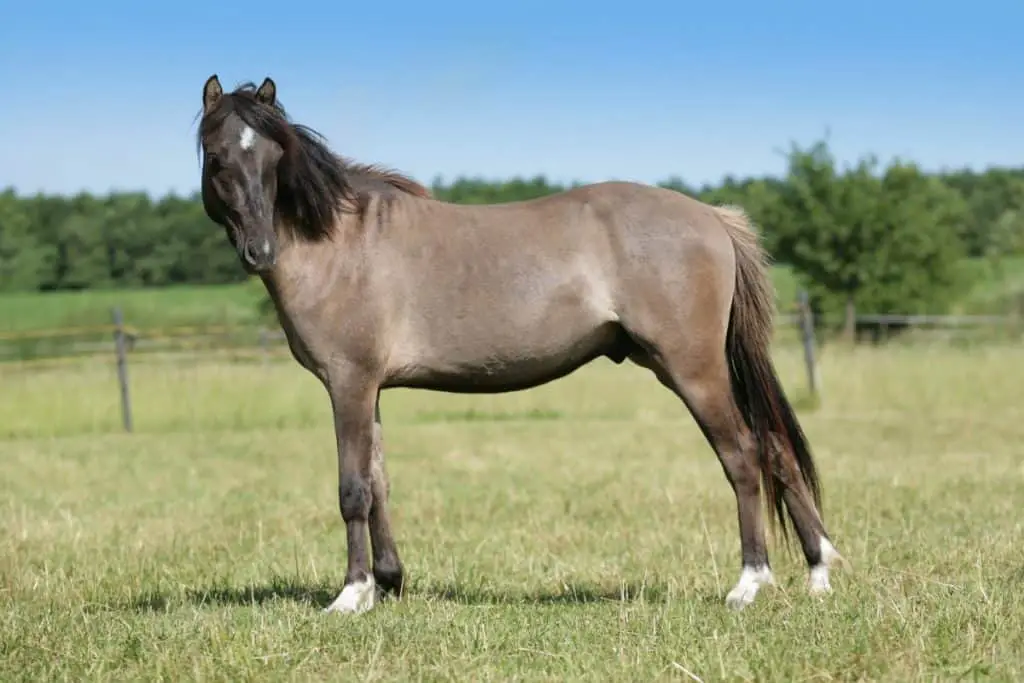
(374, 176)
(314, 183)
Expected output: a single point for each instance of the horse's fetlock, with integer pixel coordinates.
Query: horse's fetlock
(390, 576)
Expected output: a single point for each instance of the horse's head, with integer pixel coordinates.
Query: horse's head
(243, 136)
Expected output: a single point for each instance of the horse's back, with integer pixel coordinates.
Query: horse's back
(656, 229)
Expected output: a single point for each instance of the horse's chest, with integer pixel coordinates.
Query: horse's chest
(301, 350)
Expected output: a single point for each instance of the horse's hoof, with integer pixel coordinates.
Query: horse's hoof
(355, 598)
(818, 582)
(746, 588)
(740, 597)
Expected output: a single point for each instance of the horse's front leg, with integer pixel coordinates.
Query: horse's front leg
(387, 567)
(353, 402)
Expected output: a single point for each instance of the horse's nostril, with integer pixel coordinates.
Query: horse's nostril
(249, 254)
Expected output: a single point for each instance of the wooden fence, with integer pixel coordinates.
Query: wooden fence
(118, 341)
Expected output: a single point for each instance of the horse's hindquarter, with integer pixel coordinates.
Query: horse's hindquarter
(501, 297)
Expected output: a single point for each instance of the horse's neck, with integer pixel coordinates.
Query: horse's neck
(303, 269)
(297, 285)
(286, 290)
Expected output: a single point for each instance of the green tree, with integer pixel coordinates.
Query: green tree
(988, 195)
(23, 258)
(918, 264)
(812, 216)
(885, 244)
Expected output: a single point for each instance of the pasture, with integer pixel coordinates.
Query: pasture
(203, 546)
(158, 307)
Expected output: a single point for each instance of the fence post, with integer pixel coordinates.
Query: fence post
(122, 368)
(807, 333)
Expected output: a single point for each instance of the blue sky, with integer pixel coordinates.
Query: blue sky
(102, 96)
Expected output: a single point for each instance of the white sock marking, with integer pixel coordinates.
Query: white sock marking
(745, 590)
(818, 583)
(355, 598)
(248, 138)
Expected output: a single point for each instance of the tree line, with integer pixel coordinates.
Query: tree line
(878, 239)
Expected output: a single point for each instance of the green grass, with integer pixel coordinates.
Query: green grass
(580, 531)
(145, 308)
(997, 288)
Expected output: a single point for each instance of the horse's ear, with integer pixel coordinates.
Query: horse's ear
(211, 92)
(267, 92)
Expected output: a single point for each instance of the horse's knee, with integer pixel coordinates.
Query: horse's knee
(354, 497)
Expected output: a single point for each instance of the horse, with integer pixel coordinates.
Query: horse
(377, 284)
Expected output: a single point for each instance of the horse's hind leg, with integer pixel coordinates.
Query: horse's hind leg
(697, 372)
(818, 550)
(387, 567)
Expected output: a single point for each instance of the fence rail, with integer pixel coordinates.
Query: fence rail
(119, 340)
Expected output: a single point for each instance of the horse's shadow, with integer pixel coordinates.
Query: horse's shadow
(320, 594)
(311, 594)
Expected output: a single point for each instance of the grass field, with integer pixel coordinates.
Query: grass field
(147, 308)
(580, 531)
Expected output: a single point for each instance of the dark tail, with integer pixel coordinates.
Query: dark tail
(755, 386)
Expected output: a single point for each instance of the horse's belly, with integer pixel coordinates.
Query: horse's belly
(508, 363)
